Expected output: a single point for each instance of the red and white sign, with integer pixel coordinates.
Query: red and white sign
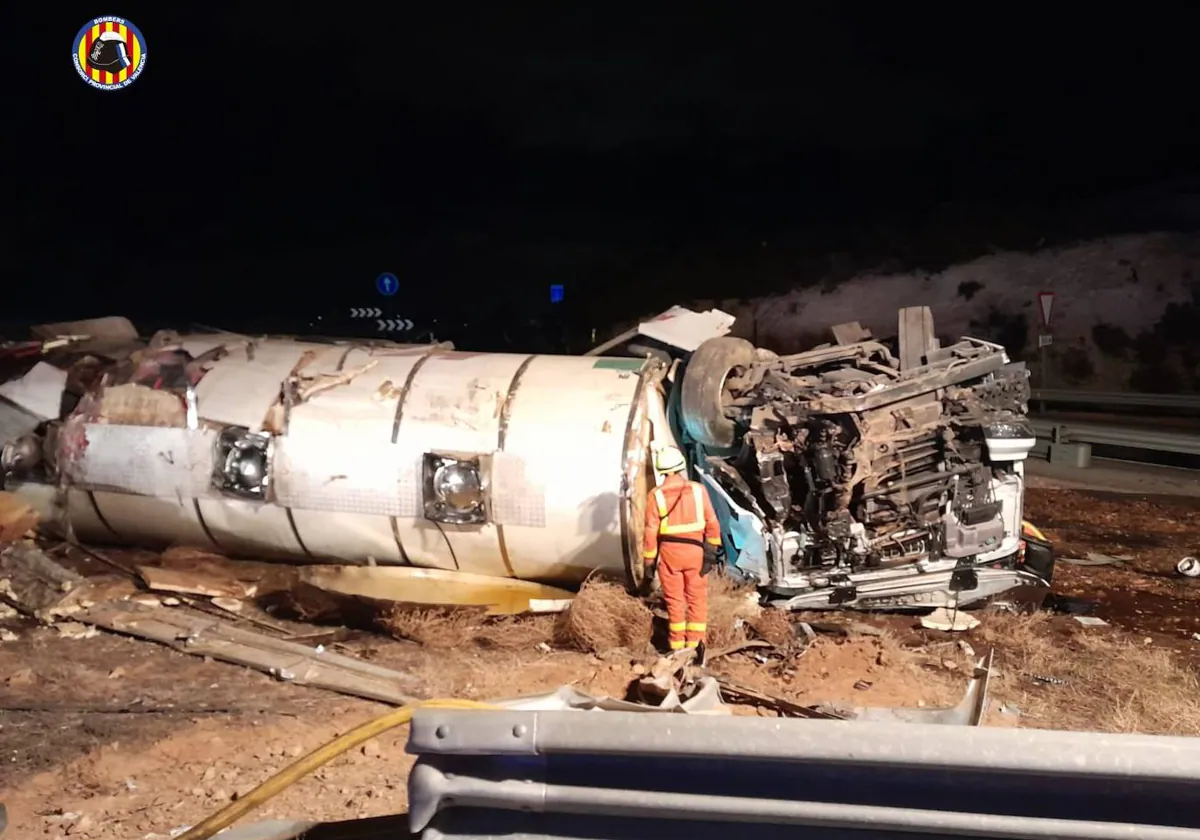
(1045, 305)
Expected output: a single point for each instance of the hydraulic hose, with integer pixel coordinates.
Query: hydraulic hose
(296, 771)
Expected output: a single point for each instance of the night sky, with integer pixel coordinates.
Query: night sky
(266, 167)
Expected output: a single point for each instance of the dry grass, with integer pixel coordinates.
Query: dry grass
(604, 617)
(1110, 682)
(448, 628)
(435, 627)
(727, 612)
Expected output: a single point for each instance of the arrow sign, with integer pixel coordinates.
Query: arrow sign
(395, 325)
(368, 312)
(1046, 305)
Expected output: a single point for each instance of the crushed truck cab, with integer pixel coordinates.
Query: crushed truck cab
(865, 475)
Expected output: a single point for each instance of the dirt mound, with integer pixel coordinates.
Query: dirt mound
(604, 617)
(773, 626)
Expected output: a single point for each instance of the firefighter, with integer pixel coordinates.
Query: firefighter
(683, 540)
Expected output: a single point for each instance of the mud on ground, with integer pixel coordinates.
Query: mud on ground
(108, 738)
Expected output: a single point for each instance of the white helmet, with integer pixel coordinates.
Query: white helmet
(669, 460)
(1188, 567)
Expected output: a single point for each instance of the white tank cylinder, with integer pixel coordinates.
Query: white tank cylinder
(532, 467)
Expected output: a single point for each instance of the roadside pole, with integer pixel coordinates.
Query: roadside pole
(1045, 302)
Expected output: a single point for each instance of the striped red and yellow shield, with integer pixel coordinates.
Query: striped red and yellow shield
(135, 49)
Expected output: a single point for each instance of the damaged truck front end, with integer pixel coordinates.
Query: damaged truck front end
(851, 475)
(858, 475)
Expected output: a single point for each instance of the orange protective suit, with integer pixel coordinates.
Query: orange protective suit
(679, 521)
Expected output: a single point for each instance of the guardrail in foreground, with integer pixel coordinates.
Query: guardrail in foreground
(1099, 434)
(1116, 399)
(567, 775)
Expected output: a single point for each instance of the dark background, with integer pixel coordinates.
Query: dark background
(271, 161)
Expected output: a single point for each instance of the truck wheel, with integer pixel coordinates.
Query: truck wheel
(702, 394)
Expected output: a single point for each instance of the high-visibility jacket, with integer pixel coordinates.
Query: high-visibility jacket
(680, 520)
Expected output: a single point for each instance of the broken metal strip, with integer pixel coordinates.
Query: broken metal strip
(405, 390)
(501, 436)
(205, 636)
(630, 533)
(905, 389)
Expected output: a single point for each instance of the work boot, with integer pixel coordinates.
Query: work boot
(700, 652)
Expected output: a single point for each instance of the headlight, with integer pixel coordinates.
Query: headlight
(454, 490)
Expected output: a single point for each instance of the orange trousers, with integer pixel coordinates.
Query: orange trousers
(686, 593)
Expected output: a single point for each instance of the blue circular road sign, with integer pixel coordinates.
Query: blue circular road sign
(387, 284)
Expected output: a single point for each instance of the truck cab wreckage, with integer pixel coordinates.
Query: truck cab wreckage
(853, 475)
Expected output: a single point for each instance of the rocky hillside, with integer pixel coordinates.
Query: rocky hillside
(1126, 312)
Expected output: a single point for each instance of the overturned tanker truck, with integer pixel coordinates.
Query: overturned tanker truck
(853, 475)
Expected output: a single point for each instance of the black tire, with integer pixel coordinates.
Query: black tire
(701, 398)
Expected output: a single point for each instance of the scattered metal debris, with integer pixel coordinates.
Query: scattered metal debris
(1090, 621)
(203, 636)
(1096, 559)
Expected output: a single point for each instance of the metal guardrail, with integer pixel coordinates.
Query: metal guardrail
(567, 775)
(1190, 402)
(1100, 434)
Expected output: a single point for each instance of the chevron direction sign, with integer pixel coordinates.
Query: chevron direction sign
(367, 312)
(395, 325)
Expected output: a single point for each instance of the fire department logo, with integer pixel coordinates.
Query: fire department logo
(109, 53)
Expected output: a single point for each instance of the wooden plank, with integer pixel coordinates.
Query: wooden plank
(193, 583)
(203, 636)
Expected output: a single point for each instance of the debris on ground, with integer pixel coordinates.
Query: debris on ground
(284, 660)
(32, 583)
(1093, 558)
(731, 606)
(136, 725)
(1100, 680)
(438, 587)
(604, 617)
(17, 519)
(204, 584)
(949, 620)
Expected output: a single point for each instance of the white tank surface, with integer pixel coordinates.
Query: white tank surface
(520, 466)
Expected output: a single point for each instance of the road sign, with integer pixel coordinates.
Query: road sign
(556, 293)
(1046, 305)
(387, 284)
(395, 325)
(365, 312)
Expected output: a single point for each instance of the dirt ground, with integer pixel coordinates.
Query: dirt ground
(112, 738)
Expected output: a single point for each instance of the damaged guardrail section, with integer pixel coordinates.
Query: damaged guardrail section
(628, 775)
